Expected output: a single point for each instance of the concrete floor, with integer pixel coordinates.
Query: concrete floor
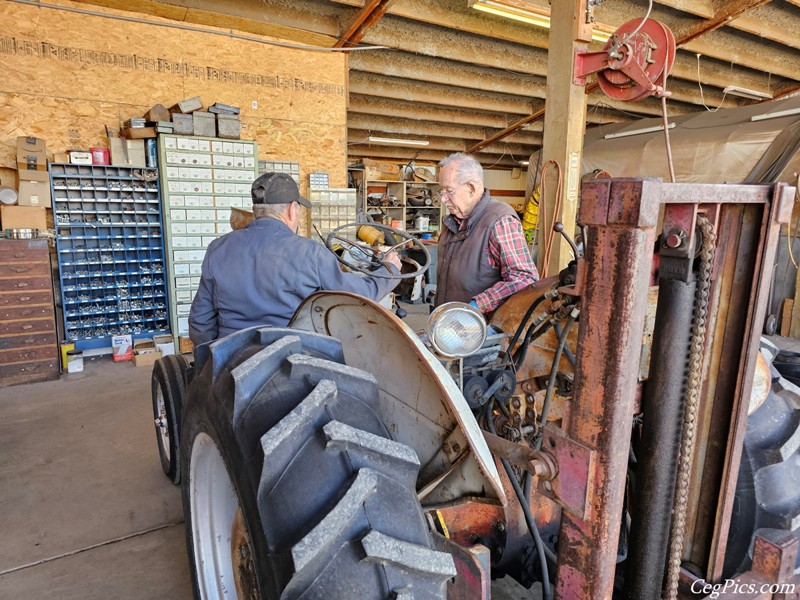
(85, 509)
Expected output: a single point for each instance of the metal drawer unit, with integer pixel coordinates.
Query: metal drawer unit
(28, 347)
(110, 252)
(201, 179)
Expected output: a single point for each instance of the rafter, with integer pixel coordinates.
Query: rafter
(368, 16)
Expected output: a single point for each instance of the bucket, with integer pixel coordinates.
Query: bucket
(100, 156)
(421, 223)
(74, 361)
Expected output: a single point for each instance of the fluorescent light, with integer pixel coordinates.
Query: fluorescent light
(398, 142)
(735, 90)
(774, 115)
(621, 134)
(524, 163)
(531, 16)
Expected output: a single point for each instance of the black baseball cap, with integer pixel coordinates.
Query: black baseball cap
(276, 188)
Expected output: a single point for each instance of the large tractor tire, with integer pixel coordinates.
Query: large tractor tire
(293, 487)
(168, 388)
(767, 493)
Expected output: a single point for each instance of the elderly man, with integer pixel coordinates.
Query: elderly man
(483, 255)
(260, 274)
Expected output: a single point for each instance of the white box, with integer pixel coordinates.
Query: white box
(182, 269)
(122, 347)
(178, 227)
(195, 215)
(174, 186)
(195, 268)
(236, 202)
(197, 255)
(173, 172)
(222, 202)
(223, 215)
(216, 146)
(249, 161)
(184, 296)
(194, 242)
(170, 142)
(176, 201)
(182, 282)
(193, 145)
(183, 309)
(224, 228)
(177, 214)
(193, 201)
(195, 281)
(183, 325)
(208, 215)
(227, 147)
(208, 239)
(179, 242)
(165, 343)
(183, 144)
(204, 145)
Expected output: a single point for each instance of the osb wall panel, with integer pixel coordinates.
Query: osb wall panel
(66, 76)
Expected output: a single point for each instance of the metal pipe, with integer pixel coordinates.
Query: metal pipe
(663, 417)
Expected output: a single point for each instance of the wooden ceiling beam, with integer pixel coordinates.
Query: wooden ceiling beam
(722, 16)
(368, 16)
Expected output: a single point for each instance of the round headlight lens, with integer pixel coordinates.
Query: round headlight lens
(456, 330)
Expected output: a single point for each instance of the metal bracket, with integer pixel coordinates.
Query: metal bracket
(564, 467)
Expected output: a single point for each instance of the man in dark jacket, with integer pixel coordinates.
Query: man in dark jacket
(483, 255)
(260, 274)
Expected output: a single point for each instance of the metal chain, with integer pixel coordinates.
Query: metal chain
(690, 409)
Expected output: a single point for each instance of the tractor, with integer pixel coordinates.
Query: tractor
(614, 431)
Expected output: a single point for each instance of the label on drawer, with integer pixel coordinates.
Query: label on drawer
(182, 282)
(184, 296)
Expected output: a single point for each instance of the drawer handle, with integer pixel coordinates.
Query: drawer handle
(20, 269)
(22, 284)
(26, 327)
(24, 298)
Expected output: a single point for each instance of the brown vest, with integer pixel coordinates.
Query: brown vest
(463, 270)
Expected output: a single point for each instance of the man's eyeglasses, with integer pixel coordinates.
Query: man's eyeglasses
(445, 193)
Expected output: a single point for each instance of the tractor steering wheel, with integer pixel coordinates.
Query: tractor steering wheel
(369, 259)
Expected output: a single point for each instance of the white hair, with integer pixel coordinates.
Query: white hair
(265, 210)
(467, 167)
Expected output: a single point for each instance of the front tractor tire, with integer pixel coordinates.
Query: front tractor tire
(292, 486)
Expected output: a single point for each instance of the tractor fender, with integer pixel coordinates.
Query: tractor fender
(421, 404)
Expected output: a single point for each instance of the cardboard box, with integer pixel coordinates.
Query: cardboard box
(205, 123)
(138, 133)
(375, 170)
(185, 345)
(31, 154)
(229, 126)
(23, 217)
(78, 157)
(184, 124)
(159, 112)
(61, 157)
(146, 359)
(186, 106)
(122, 347)
(165, 343)
(33, 188)
(127, 153)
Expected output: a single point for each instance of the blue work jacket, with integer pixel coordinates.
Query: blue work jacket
(259, 275)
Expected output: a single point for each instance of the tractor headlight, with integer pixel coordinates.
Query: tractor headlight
(456, 330)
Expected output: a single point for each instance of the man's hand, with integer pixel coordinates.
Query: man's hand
(393, 259)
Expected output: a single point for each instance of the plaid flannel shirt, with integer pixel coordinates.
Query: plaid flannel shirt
(508, 251)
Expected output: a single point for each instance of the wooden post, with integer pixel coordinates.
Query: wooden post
(564, 124)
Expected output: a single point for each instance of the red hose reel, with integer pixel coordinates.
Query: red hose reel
(634, 63)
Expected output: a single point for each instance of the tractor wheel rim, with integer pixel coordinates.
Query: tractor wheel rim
(213, 507)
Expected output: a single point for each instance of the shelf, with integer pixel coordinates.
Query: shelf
(111, 253)
(202, 179)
